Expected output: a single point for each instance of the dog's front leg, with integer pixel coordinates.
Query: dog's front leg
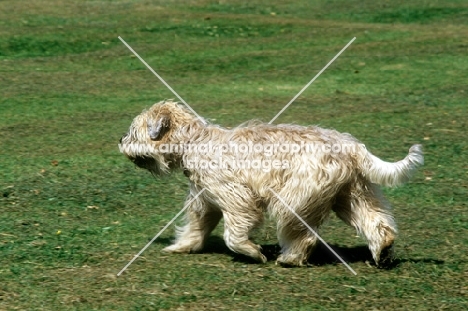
(201, 219)
(237, 225)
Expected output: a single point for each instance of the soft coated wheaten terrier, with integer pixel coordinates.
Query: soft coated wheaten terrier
(246, 170)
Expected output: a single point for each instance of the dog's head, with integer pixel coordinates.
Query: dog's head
(163, 124)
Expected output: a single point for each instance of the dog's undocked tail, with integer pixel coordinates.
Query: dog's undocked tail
(393, 174)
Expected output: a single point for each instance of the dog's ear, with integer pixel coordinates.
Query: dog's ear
(158, 127)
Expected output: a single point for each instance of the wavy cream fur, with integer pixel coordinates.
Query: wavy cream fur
(312, 184)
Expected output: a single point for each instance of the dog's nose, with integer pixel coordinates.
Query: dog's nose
(121, 138)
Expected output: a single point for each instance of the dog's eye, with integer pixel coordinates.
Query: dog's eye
(157, 129)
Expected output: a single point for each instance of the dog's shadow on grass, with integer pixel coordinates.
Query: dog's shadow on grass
(320, 257)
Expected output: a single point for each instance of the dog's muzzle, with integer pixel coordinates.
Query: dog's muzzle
(147, 163)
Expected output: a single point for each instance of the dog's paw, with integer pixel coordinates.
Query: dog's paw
(386, 257)
(291, 260)
(257, 255)
(262, 258)
(177, 248)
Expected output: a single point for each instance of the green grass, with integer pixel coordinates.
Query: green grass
(75, 211)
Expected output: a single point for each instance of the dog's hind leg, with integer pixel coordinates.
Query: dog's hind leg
(201, 219)
(362, 205)
(296, 245)
(297, 241)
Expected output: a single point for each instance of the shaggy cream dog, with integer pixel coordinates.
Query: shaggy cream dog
(314, 170)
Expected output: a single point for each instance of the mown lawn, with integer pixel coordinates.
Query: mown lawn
(74, 211)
